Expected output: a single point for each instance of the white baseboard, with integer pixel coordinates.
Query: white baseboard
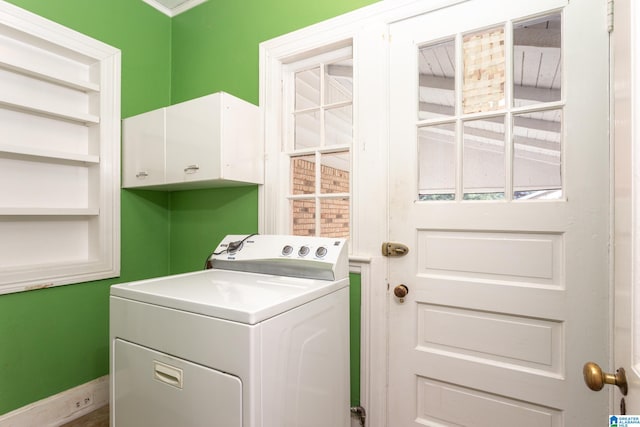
(61, 408)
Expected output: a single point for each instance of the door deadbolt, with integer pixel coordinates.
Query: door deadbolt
(392, 249)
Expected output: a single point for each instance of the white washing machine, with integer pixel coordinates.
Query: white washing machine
(261, 339)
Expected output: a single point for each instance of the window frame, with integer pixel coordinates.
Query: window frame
(365, 30)
(289, 149)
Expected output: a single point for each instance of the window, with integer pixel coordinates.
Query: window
(319, 123)
(340, 168)
(489, 122)
(59, 154)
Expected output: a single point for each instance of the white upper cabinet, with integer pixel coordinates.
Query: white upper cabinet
(212, 141)
(143, 149)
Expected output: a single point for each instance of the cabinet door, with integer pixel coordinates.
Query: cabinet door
(193, 140)
(143, 147)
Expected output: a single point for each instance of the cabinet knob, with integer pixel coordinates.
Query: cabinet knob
(191, 169)
(142, 174)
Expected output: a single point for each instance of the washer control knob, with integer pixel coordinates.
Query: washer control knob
(287, 250)
(304, 251)
(321, 252)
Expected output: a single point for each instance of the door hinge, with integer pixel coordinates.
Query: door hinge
(359, 413)
(610, 16)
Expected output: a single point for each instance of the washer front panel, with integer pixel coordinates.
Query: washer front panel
(153, 389)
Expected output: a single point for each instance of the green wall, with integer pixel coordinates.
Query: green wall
(139, 31)
(55, 339)
(215, 45)
(354, 347)
(201, 218)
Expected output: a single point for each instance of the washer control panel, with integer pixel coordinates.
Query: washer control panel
(311, 252)
(263, 246)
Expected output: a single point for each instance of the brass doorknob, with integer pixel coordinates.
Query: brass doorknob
(400, 291)
(596, 379)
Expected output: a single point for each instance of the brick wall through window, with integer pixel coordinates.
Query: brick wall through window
(334, 212)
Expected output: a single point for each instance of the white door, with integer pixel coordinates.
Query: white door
(499, 185)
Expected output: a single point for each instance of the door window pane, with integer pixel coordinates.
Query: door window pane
(537, 155)
(437, 162)
(334, 172)
(473, 165)
(484, 71)
(483, 159)
(537, 65)
(436, 89)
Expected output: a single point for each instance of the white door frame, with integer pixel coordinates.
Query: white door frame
(626, 169)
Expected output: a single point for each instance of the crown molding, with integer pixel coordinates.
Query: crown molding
(165, 7)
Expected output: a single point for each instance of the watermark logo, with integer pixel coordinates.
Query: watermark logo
(624, 421)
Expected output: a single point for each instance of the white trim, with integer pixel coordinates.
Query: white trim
(635, 159)
(173, 11)
(373, 338)
(60, 408)
(627, 196)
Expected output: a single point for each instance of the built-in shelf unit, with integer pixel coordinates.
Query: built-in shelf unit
(59, 154)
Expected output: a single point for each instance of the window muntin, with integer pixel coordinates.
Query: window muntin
(490, 113)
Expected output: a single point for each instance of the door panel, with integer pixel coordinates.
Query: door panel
(499, 185)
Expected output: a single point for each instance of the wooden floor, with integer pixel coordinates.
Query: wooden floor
(97, 418)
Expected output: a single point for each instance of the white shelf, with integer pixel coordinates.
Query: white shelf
(60, 155)
(86, 119)
(81, 85)
(49, 212)
(48, 154)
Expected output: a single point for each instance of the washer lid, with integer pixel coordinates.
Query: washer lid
(237, 296)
